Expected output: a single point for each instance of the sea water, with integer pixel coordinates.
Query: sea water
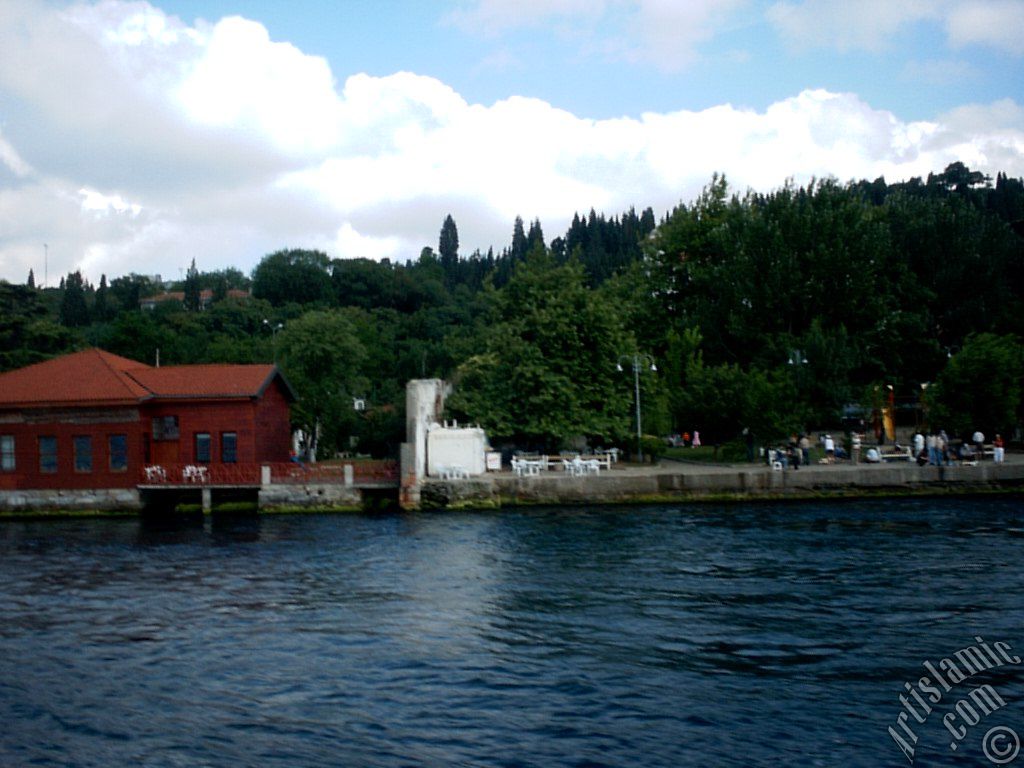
(739, 635)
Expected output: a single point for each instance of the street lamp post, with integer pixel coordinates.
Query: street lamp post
(274, 328)
(638, 361)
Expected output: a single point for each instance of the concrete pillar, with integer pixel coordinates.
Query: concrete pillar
(350, 476)
(424, 404)
(409, 495)
(207, 500)
(264, 475)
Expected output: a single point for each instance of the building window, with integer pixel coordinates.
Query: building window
(165, 428)
(203, 447)
(229, 447)
(48, 455)
(7, 453)
(83, 453)
(118, 449)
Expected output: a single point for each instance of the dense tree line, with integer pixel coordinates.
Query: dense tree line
(765, 312)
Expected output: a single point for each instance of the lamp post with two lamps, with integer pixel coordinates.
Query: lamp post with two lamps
(274, 328)
(638, 361)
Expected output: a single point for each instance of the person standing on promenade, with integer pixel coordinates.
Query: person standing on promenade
(805, 449)
(855, 439)
(932, 442)
(978, 438)
(998, 449)
(830, 449)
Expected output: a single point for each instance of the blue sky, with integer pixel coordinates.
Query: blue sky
(911, 66)
(135, 136)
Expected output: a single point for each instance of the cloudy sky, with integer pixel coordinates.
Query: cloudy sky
(136, 136)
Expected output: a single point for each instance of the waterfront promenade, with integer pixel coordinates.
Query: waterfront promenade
(670, 480)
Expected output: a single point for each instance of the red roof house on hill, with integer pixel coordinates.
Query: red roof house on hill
(94, 420)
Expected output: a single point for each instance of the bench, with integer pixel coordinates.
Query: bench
(905, 455)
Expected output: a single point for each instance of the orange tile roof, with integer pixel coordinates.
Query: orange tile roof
(97, 378)
(89, 377)
(205, 380)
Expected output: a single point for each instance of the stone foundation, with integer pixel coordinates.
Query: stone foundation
(104, 500)
(312, 496)
(663, 484)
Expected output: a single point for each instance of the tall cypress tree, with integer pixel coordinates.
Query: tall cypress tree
(101, 309)
(519, 243)
(448, 248)
(74, 312)
(535, 236)
(192, 294)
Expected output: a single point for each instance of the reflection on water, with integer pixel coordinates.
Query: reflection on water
(661, 636)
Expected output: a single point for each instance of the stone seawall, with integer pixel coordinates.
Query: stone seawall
(104, 500)
(620, 485)
(696, 483)
(271, 498)
(312, 496)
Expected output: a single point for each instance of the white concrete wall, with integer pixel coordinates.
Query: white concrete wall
(424, 404)
(456, 447)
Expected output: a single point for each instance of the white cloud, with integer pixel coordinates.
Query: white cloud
(10, 158)
(668, 33)
(216, 143)
(939, 72)
(849, 25)
(995, 23)
(494, 17)
(243, 80)
(873, 25)
(665, 33)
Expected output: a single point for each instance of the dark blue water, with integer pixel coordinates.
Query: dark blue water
(661, 636)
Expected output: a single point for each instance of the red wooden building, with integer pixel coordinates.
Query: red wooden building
(94, 420)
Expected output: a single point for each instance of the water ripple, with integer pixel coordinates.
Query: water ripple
(662, 636)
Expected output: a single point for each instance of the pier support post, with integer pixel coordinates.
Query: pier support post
(207, 500)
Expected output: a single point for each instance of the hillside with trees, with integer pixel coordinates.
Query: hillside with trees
(769, 312)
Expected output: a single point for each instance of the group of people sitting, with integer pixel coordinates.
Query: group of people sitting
(935, 449)
(798, 451)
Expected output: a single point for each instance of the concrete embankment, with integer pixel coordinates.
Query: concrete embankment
(275, 498)
(671, 481)
(667, 482)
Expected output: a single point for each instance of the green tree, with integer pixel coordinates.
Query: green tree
(322, 358)
(547, 371)
(137, 336)
(294, 275)
(101, 304)
(193, 293)
(448, 249)
(520, 245)
(27, 334)
(722, 400)
(74, 312)
(980, 387)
